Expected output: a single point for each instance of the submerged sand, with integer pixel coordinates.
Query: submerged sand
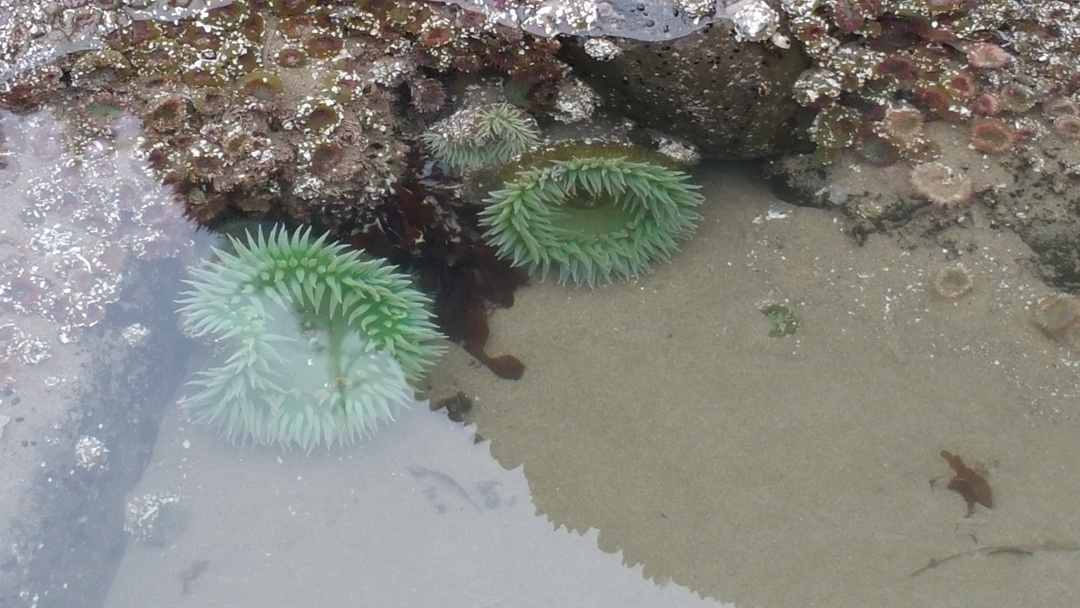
(799, 471)
(768, 472)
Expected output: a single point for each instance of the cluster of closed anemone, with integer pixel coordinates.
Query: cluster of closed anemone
(590, 212)
(319, 344)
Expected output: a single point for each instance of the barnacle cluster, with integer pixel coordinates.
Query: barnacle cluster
(1006, 69)
(292, 107)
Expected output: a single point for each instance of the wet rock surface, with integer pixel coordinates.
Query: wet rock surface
(731, 99)
(1031, 192)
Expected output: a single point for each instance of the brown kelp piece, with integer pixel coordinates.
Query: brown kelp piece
(968, 483)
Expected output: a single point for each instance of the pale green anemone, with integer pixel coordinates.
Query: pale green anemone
(487, 134)
(592, 212)
(320, 344)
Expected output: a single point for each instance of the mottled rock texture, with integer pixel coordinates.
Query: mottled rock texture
(731, 99)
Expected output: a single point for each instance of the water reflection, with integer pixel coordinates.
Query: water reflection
(82, 208)
(87, 236)
(418, 516)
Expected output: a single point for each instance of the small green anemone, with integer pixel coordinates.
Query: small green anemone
(489, 134)
(595, 212)
(320, 344)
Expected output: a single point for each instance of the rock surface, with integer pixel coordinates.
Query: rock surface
(731, 99)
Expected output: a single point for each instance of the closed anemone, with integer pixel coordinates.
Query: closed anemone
(592, 213)
(319, 345)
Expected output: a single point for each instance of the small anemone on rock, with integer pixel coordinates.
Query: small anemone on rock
(992, 136)
(487, 134)
(594, 212)
(320, 344)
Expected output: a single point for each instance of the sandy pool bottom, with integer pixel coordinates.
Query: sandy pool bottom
(806, 470)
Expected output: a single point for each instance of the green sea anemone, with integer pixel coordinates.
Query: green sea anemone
(782, 321)
(596, 211)
(320, 344)
(487, 134)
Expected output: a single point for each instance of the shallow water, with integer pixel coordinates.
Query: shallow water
(802, 470)
(658, 421)
(418, 516)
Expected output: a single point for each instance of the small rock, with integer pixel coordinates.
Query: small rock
(90, 453)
